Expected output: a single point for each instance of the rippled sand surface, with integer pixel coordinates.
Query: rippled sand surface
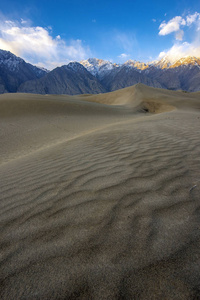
(100, 195)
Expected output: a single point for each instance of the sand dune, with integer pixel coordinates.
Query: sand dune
(100, 195)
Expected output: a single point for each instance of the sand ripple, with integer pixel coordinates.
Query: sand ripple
(110, 215)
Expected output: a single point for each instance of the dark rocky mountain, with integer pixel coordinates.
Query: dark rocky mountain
(126, 76)
(97, 76)
(14, 71)
(71, 79)
(184, 74)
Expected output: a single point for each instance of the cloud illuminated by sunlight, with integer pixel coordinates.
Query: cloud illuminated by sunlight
(181, 49)
(172, 26)
(124, 56)
(36, 44)
(176, 23)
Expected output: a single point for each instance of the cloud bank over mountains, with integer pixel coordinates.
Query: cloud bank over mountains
(37, 45)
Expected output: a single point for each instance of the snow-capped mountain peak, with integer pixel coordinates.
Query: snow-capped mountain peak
(75, 66)
(185, 61)
(10, 60)
(170, 62)
(13, 63)
(136, 64)
(164, 63)
(98, 67)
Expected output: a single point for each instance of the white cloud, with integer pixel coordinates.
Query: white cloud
(178, 51)
(36, 44)
(172, 26)
(179, 35)
(176, 25)
(23, 21)
(154, 20)
(192, 18)
(182, 49)
(123, 55)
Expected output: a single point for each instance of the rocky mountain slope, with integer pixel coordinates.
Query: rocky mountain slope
(183, 74)
(14, 71)
(99, 67)
(71, 79)
(124, 77)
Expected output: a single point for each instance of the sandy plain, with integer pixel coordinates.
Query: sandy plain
(100, 195)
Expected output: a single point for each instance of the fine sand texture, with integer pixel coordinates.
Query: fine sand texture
(100, 196)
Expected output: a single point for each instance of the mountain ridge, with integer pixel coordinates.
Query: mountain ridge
(97, 75)
(14, 71)
(69, 79)
(183, 74)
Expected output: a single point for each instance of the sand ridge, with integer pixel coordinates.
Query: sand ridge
(111, 210)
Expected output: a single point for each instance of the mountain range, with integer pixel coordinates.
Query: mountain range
(94, 75)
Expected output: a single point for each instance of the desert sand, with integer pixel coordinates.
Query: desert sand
(100, 195)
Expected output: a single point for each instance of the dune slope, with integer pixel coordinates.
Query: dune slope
(99, 196)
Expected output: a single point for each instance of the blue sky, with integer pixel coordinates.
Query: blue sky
(52, 33)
